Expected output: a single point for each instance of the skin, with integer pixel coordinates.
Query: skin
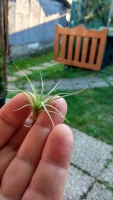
(33, 161)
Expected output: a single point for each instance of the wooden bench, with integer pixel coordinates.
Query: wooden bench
(80, 47)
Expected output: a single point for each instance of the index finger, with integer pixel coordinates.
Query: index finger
(11, 120)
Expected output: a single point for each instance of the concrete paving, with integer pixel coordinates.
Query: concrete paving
(96, 82)
(67, 84)
(79, 83)
(107, 174)
(11, 78)
(48, 64)
(99, 192)
(86, 153)
(27, 72)
(77, 184)
(90, 175)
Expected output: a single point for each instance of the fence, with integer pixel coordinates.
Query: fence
(80, 47)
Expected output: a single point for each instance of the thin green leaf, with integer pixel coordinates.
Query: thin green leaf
(52, 90)
(66, 94)
(23, 107)
(58, 112)
(32, 86)
(75, 92)
(13, 88)
(47, 113)
(30, 99)
(35, 94)
(38, 104)
(52, 98)
(23, 73)
(50, 111)
(42, 90)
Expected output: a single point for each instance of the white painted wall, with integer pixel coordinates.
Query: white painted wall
(33, 22)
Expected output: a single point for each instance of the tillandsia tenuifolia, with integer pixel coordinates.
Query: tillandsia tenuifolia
(41, 102)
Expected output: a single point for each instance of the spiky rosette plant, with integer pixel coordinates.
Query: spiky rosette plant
(40, 102)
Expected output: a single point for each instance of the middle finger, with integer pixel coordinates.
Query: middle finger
(24, 164)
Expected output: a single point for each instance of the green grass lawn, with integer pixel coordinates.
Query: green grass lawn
(90, 111)
(57, 71)
(28, 62)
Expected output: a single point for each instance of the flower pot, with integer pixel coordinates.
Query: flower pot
(2, 101)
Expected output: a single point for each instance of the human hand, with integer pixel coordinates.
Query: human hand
(33, 161)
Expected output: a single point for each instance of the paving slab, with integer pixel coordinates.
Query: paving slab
(96, 82)
(110, 78)
(79, 83)
(99, 192)
(37, 84)
(42, 66)
(27, 72)
(11, 84)
(47, 64)
(37, 68)
(77, 184)
(111, 83)
(53, 62)
(11, 78)
(90, 154)
(49, 85)
(93, 78)
(65, 84)
(107, 175)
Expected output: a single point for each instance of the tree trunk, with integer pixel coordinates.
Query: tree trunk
(4, 35)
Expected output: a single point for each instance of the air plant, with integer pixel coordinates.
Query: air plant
(40, 102)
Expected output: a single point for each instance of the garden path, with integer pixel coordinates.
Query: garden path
(66, 84)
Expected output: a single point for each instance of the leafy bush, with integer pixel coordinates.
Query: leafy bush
(92, 14)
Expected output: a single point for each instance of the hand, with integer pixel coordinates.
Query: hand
(33, 161)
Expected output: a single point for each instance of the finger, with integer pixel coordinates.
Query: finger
(48, 181)
(8, 152)
(11, 120)
(28, 157)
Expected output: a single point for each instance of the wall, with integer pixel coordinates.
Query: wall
(32, 26)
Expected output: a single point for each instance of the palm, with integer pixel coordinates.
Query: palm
(33, 161)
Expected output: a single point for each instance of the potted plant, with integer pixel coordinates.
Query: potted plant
(3, 49)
